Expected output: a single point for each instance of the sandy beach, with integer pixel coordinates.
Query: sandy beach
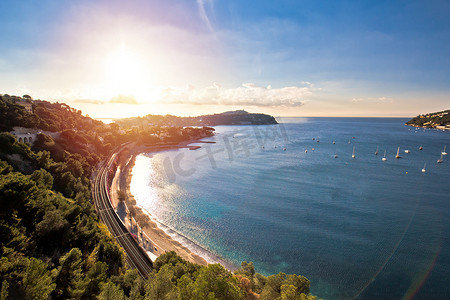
(151, 237)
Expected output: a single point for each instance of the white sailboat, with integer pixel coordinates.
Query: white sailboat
(384, 157)
(440, 160)
(398, 155)
(336, 156)
(424, 170)
(420, 148)
(353, 154)
(443, 152)
(376, 152)
(406, 151)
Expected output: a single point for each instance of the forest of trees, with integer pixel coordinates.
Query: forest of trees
(53, 245)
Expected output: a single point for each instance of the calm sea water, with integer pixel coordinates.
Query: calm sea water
(357, 228)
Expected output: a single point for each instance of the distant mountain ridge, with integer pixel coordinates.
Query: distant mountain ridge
(438, 120)
(237, 117)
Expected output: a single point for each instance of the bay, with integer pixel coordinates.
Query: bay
(358, 228)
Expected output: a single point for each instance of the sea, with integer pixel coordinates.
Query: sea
(290, 198)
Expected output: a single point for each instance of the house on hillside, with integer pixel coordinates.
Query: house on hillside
(29, 135)
(27, 105)
(26, 101)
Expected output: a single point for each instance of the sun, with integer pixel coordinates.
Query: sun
(126, 73)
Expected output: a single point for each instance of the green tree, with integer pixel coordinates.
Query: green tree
(247, 269)
(282, 285)
(160, 285)
(17, 193)
(272, 288)
(42, 178)
(110, 291)
(95, 276)
(44, 160)
(289, 292)
(216, 282)
(171, 258)
(300, 283)
(5, 168)
(69, 277)
(130, 281)
(110, 253)
(52, 228)
(37, 280)
(4, 290)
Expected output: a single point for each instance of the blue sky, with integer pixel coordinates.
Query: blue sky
(291, 58)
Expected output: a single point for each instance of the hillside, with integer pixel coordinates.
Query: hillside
(52, 244)
(438, 120)
(238, 117)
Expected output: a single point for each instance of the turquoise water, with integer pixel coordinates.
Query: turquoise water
(357, 228)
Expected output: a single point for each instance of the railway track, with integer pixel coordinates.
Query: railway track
(136, 257)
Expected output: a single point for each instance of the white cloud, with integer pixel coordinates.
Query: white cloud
(202, 10)
(249, 94)
(385, 99)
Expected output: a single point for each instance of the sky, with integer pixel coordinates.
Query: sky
(282, 57)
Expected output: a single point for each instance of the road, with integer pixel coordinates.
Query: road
(135, 255)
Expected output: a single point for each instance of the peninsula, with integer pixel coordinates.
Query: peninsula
(437, 120)
(237, 117)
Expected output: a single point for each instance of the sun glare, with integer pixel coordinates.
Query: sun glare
(125, 72)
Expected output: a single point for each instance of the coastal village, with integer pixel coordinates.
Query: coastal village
(437, 120)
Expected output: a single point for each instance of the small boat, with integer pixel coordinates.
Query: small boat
(420, 148)
(336, 156)
(318, 141)
(440, 160)
(312, 149)
(334, 142)
(284, 149)
(353, 154)
(407, 151)
(313, 139)
(398, 155)
(424, 170)
(376, 152)
(306, 150)
(443, 152)
(384, 157)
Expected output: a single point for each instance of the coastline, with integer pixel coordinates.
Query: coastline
(152, 235)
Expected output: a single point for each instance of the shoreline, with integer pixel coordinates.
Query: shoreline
(152, 235)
